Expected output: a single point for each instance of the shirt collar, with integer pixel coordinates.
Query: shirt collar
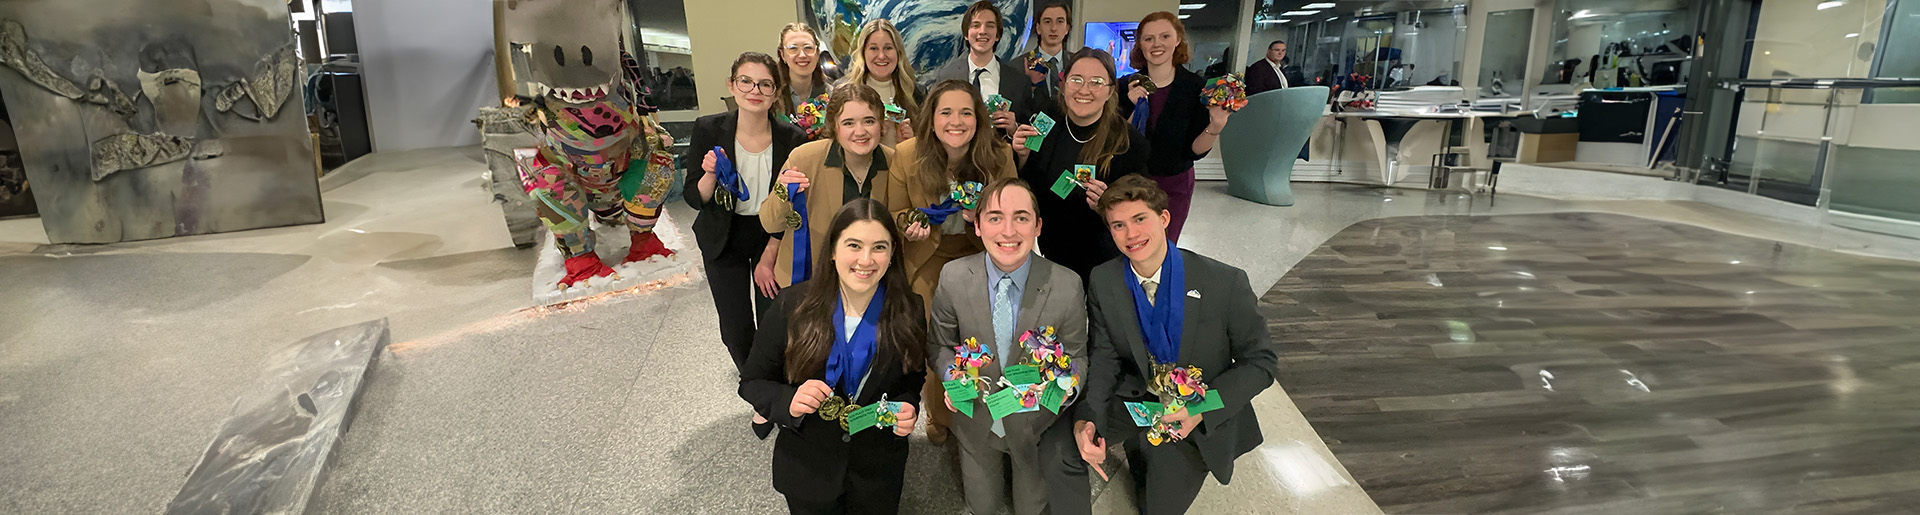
(1019, 274)
(836, 158)
(1136, 275)
(1045, 56)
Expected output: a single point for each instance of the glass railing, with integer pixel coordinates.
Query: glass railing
(1845, 146)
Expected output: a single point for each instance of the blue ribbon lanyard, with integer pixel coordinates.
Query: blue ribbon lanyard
(727, 176)
(1163, 320)
(850, 360)
(802, 248)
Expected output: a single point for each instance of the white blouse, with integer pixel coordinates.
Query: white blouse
(756, 173)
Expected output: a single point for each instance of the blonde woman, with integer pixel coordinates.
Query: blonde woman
(800, 74)
(881, 64)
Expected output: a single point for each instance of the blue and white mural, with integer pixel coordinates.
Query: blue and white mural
(932, 28)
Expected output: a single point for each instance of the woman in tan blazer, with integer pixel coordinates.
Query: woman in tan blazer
(849, 165)
(944, 152)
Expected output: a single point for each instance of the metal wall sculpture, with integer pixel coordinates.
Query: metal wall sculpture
(932, 28)
(158, 118)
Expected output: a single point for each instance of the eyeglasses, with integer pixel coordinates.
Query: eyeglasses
(801, 49)
(745, 83)
(1081, 82)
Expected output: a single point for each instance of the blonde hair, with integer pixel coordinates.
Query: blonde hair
(782, 104)
(903, 71)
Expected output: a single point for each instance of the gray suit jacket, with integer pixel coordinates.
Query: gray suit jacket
(962, 310)
(1013, 84)
(1225, 336)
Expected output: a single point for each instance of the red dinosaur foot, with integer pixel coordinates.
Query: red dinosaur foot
(646, 245)
(583, 267)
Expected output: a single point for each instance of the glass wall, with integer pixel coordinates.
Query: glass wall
(1213, 28)
(1502, 63)
(1380, 45)
(1604, 44)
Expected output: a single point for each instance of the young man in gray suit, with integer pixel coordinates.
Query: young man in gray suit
(982, 28)
(1162, 307)
(994, 297)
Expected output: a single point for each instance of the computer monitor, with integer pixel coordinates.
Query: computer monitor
(1117, 39)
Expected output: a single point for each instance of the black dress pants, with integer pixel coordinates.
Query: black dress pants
(730, 279)
(1166, 478)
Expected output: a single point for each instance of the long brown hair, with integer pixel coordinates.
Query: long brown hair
(782, 104)
(1110, 133)
(981, 163)
(902, 325)
(851, 92)
(902, 68)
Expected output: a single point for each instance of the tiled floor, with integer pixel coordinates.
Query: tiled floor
(1594, 363)
(117, 362)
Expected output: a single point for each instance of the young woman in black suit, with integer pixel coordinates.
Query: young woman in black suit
(728, 228)
(1091, 131)
(852, 334)
(1180, 125)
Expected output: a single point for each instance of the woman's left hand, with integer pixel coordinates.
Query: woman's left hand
(1095, 188)
(1217, 118)
(904, 426)
(918, 231)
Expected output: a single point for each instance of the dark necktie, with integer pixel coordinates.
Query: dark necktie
(976, 79)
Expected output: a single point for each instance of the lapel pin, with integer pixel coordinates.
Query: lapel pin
(1193, 293)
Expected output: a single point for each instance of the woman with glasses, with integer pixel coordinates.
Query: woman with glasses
(742, 147)
(835, 348)
(799, 53)
(1181, 126)
(1091, 132)
(880, 64)
(953, 143)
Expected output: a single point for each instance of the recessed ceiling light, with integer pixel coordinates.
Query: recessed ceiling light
(1829, 5)
(1299, 13)
(1324, 5)
(1185, 16)
(1192, 7)
(1583, 13)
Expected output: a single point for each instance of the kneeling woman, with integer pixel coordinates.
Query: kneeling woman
(853, 335)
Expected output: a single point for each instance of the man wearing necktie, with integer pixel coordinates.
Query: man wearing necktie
(983, 26)
(995, 297)
(1155, 309)
(1052, 26)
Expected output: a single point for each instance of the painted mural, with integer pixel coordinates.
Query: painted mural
(932, 28)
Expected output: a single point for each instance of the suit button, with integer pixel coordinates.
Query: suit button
(846, 438)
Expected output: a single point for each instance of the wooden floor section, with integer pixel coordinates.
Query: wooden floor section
(1593, 363)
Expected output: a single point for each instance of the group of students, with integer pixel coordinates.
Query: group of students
(871, 257)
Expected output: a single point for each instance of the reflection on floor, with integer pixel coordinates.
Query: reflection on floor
(1592, 363)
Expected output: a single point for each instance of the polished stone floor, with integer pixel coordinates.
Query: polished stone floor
(118, 362)
(1600, 363)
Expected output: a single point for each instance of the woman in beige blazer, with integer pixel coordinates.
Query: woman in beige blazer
(943, 153)
(849, 165)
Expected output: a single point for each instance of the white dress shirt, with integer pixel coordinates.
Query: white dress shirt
(989, 81)
(1155, 278)
(756, 175)
(1280, 72)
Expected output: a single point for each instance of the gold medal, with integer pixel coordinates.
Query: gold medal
(836, 408)
(781, 191)
(793, 221)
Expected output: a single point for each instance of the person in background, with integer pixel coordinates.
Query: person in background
(1046, 62)
(1272, 72)
(1091, 132)
(1182, 128)
(880, 63)
(728, 226)
(852, 336)
(800, 73)
(947, 149)
(983, 27)
(850, 164)
(994, 297)
(1158, 308)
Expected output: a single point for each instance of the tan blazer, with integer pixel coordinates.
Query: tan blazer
(822, 163)
(903, 194)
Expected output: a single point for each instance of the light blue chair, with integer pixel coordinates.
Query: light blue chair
(1260, 142)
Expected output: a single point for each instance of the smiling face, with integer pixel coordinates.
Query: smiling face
(861, 256)
(753, 88)
(858, 128)
(1277, 52)
(954, 120)
(800, 52)
(1157, 42)
(1086, 100)
(882, 55)
(1008, 225)
(983, 32)
(1140, 233)
(1053, 26)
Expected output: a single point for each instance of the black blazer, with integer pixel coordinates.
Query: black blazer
(1225, 336)
(1260, 77)
(710, 227)
(809, 457)
(1183, 118)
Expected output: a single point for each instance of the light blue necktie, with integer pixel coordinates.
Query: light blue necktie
(1003, 332)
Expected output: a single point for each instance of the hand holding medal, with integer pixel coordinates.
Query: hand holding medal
(1227, 91)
